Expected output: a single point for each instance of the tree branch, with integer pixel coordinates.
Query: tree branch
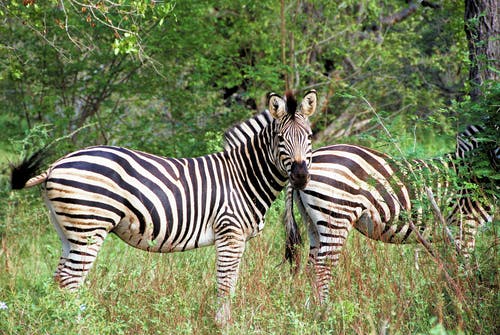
(404, 13)
(399, 16)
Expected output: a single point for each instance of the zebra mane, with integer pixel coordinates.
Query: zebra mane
(240, 134)
(470, 131)
(291, 103)
(466, 140)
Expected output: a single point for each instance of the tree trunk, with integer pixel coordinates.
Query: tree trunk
(482, 29)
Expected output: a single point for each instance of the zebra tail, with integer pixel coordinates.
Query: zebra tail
(293, 237)
(25, 173)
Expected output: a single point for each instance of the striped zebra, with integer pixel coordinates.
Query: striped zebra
(162, 204)
(381, 197)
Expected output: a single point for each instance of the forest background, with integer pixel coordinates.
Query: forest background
(168, 78)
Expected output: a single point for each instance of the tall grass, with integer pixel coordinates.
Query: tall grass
(376, 288)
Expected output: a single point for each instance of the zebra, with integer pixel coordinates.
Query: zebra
(387, 200)
(164, 205)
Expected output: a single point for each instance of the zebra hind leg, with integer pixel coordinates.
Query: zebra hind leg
(465, 242)
(72, 271)
(80, 244)
(64, 240)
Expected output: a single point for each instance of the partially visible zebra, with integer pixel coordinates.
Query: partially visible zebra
(167, 204)
(353, 186)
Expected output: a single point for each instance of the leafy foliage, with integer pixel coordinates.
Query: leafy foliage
(179, 70)
(169, 77)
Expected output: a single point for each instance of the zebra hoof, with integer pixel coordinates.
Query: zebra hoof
(223, 315)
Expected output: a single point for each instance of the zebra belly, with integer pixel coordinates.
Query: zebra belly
(129, 231)
(397, 230)
(387, 232)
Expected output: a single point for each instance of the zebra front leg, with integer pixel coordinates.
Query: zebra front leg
(314, 244)
(229, 252)
(332, 234)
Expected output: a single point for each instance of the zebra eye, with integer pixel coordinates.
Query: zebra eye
(281, 138)
(309, 137)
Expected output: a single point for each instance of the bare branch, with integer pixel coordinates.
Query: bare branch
(430, 4)
(399, 16)
(403, 14)
(79, 45)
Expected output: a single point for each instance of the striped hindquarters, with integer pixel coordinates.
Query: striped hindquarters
(354, 185)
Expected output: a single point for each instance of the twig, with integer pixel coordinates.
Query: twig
(70, 135)
(79, 45)
(448, 236)
(283, 42)
(440, 264)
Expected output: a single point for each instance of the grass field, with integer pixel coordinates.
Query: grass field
(377, 288)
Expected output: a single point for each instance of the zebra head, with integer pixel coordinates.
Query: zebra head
(293, 134)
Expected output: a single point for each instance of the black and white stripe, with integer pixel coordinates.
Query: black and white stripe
(353, 186)
(166, 204)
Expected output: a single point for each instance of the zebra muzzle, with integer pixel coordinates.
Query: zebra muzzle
(299, 175)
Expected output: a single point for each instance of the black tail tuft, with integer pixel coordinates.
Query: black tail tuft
(293, 238)
(27, 169)
(292, 247)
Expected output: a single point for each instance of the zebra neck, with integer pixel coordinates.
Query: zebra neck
(254, 172)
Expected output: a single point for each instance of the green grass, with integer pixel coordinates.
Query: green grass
(133, 292)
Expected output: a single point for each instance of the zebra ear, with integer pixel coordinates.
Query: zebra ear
(277, 105)
(308, 105)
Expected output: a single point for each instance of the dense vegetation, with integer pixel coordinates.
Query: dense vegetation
(169, 78)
